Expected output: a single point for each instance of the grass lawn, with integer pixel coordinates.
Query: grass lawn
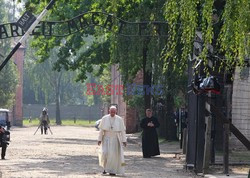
(70, 122)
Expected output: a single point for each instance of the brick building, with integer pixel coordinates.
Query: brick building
(18, 58)
(241, 105)
(129, 114)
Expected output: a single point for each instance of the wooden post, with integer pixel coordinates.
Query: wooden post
(208, 123)
(207, 149)
(200, 142)
(228, 89)
(225, 148)
(184, 143)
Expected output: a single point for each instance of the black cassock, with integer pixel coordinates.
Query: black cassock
(150, 144)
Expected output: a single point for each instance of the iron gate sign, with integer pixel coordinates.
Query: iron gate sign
(26, 20)
(81, 23)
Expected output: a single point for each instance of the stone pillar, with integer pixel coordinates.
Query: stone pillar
(18, 58)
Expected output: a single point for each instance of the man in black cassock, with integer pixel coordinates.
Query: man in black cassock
(150, 144)
(3, 143)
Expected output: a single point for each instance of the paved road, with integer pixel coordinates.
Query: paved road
(72, 152)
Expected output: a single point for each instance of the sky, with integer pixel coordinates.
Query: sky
(19, 6)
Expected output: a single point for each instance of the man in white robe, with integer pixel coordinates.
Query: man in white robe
(112, 138)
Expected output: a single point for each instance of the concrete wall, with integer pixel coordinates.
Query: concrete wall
(67, 112)
(241, 106)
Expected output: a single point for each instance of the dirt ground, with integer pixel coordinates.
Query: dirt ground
(72, 152)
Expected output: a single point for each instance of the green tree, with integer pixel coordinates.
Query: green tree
(8, 79)
(55, 87)
(8, 75)
(224, 26)
(132, 54)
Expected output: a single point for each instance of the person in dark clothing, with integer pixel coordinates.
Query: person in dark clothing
(150, 144)
(44, 121)
(3, 143)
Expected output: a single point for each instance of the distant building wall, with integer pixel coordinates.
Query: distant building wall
(67, 111)
(241, 105)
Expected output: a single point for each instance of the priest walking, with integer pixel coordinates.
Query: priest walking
(150, 144)
(112, 138)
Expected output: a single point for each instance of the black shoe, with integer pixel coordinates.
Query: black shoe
(104, 172)
(111, 174)
(3, 157)
(146, 156)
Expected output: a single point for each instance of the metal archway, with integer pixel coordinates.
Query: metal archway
(87, 20)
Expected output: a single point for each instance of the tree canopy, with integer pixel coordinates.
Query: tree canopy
(8, 76)
(224, 25)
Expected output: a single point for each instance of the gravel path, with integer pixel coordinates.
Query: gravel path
(72, 152)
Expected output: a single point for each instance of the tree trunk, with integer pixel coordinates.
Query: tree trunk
(147, 76)
(58, 115)
(171, 127)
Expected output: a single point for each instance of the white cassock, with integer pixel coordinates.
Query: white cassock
(111, 135)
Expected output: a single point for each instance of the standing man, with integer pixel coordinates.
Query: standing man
(44, 121)
(3, 142)
(150, 144)
(112, 138)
